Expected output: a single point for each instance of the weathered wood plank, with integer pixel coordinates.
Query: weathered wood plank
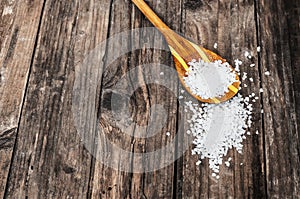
(18, 29)
(111, 183)
(232, 26)
(50, 161)
(280, 123)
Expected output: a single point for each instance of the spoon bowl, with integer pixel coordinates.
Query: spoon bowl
(184, 51)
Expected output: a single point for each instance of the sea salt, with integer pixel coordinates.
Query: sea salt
(218, 128)
(252, 65)
(209, 80)
(161, 73)
(258, 49)
(244, 77)
(247, 54)
(168, 133)
(261, 90)
(227, 163)
(251, 79)
(215, 45)
(267, 73)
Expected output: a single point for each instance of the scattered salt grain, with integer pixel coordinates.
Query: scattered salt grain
(219, 127)
(180, 97)
(248, 133)
(258, 48)
(209, 80)
(218, 177)
(161, 73)
(261, 90)
(241, 164)
(262, 110)
(247, 54)
(182, 91)
(168, 134)
(215, 45)
(198, 162)
(252, 65)
(237, 64)
(227, 163)
(267, 73)
(256, 132)
(244, 77)
(245, 85)
(251, 79)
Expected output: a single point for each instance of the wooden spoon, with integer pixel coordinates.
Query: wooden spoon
(184, 51)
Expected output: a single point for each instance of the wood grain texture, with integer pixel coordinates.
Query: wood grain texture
(50, 161)
(18, 30)
(280, 124)
(55, 153)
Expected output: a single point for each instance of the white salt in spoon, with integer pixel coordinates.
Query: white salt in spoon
(185, 51)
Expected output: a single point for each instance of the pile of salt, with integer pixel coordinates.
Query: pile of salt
(209, 80)
(219, 127)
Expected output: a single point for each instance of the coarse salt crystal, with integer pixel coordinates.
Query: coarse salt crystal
(209, 80)
(247, 54)
(258, 48)
(261, 90)
(267, 73)
(215, 45)
(244, 76)
(251, 79)
(227, 163)
(161, 73)
(168, 134)
(252, 65)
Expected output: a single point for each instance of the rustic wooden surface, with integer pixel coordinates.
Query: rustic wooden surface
(41, 153)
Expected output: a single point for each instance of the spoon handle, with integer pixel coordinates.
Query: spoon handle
(148, 12)
(179, 46)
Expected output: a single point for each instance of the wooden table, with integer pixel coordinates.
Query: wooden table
(43, 43)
